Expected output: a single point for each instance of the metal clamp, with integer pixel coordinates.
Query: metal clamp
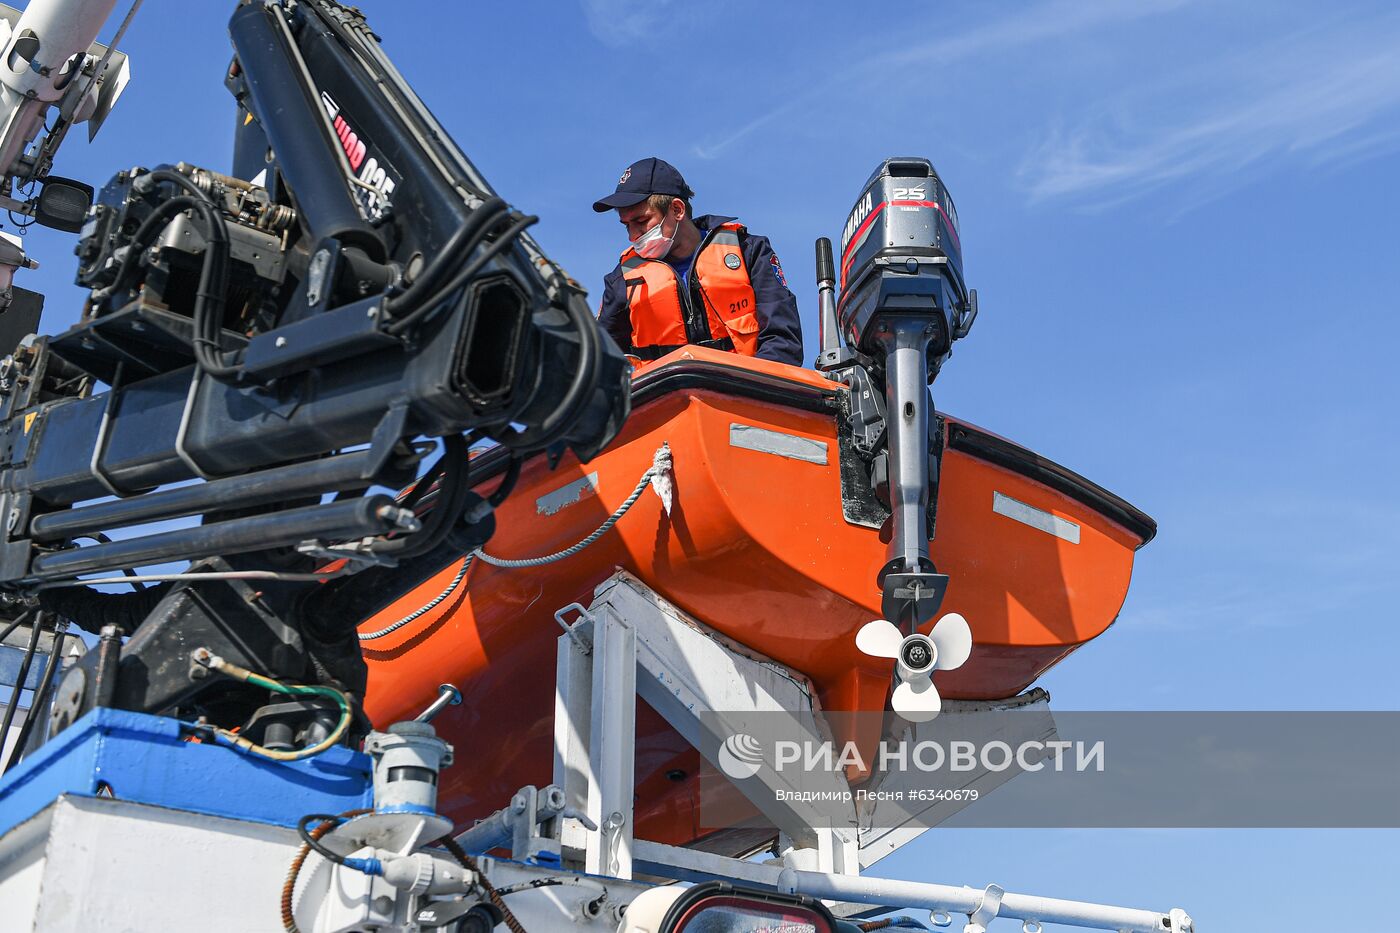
(987, 910)
(1180, 921)
(583, 616)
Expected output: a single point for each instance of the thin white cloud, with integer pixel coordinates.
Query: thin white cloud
(1325, 96)
(618, 23)
(1044, 22)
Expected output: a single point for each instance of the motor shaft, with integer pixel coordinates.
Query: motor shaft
(905, 341)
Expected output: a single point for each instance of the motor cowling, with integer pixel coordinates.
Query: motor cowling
(901, 256)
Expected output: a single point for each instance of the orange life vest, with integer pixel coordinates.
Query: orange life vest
(663, 313)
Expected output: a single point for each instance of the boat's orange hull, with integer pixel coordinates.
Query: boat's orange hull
(756, 546)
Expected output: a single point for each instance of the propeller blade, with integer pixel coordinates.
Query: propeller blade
(952, 636)
(916, 702)
(879, 639)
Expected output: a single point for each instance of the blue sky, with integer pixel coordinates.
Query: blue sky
(1180, 218)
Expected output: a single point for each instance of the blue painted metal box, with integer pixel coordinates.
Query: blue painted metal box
(150, 759)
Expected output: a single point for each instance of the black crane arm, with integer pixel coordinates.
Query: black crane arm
(265, 355)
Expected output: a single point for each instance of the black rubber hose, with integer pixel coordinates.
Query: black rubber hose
(507, 483)
(451, 499)
(455, 250)
(155, 222)
(289, 923)
(90, 609)
(24, 665)
(101, 538)
(311, 839)
(462, 276)
(425, 488)
(15, 623)
(451, 495)
(37, 703)
(213, 280)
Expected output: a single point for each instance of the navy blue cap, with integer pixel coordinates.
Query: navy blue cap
(642, 179)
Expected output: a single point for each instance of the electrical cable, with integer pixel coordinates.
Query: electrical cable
(289, 923)
(329, 821)
(40, 698)
(36, 627)
(216, 663)
(469, 863)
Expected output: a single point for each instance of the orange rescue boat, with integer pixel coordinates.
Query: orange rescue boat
(773, 540)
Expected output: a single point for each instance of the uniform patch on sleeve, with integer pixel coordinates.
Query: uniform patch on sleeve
(778, 270)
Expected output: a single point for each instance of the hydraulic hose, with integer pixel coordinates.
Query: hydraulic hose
(213, 279)
(451, 495)
(155, 222)
(40, 698)
(15, 623)
(455, 250)
(507, 483)
(463, 275)
(37, 627)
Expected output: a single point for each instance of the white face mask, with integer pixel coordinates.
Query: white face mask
(654, 244)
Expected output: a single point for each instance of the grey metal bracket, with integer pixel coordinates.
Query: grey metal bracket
(529, 827)
(1180, 921)
(987, 910)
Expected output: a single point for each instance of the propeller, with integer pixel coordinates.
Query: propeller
(915, 658)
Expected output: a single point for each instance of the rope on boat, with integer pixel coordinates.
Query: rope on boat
(659, 477)
(427, 607)
(660, 467)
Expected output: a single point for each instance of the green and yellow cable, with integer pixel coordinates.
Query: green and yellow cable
(203, 657)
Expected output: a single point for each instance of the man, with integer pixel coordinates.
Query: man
(692, 280)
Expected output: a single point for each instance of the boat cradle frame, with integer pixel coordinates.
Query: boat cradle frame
(631, 643)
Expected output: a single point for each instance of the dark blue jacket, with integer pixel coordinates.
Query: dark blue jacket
(779, 327)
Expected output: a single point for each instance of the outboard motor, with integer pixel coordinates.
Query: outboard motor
(903, 302)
